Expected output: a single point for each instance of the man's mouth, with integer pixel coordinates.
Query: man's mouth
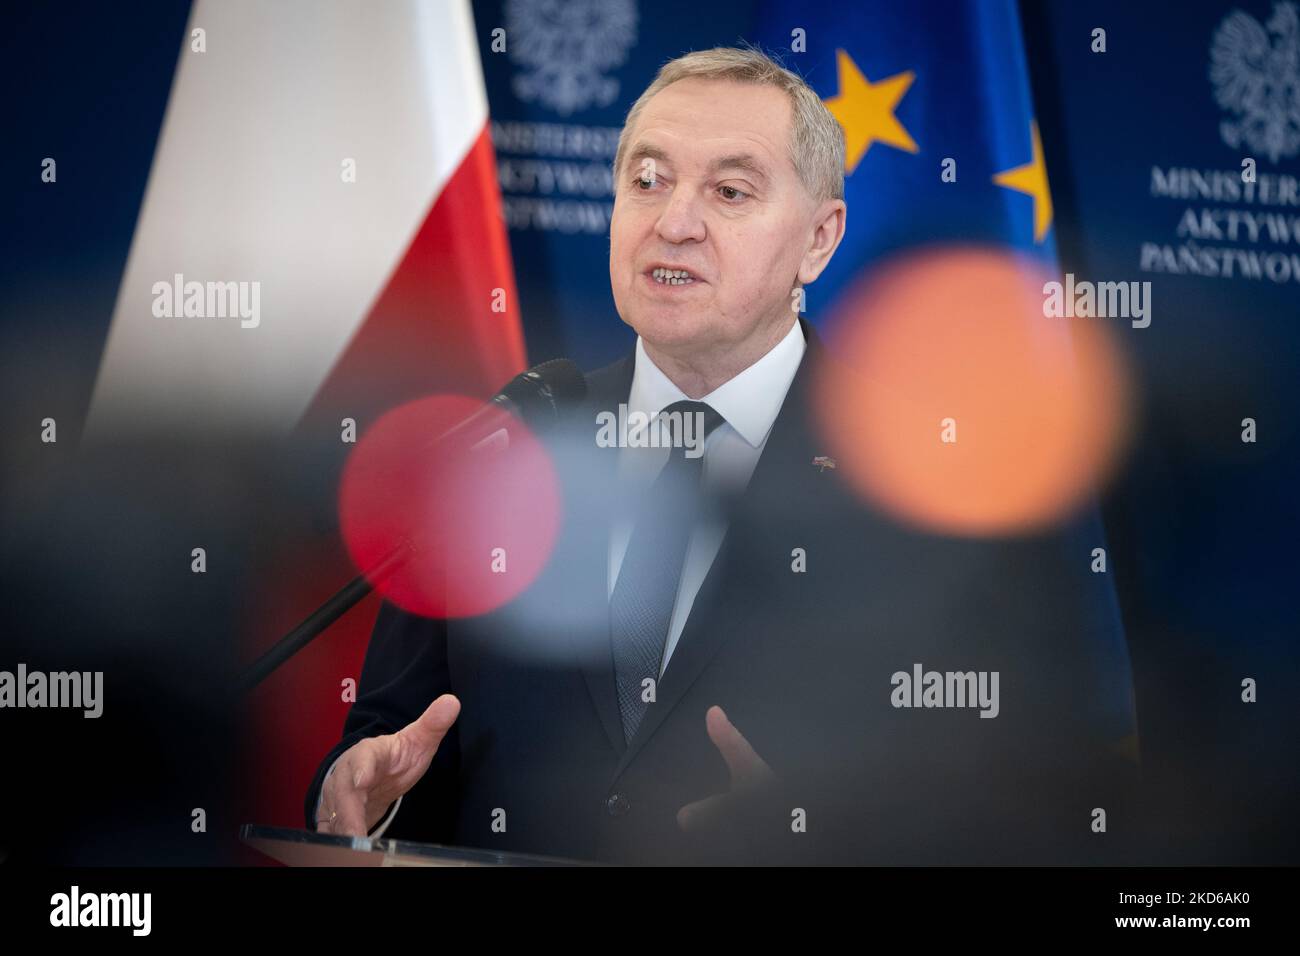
(672, 276)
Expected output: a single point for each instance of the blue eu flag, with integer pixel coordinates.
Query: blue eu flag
(942, 147)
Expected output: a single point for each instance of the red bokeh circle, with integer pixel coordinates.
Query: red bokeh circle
(475, 526)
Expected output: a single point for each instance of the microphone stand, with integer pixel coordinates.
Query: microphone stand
(348, 596)
(343, 600)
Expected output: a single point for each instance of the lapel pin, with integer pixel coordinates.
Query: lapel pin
(823, 462)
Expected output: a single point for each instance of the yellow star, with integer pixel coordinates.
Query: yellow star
(1031, 179)
(866, 111)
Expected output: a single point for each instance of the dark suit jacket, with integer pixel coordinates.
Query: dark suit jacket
(800, 661)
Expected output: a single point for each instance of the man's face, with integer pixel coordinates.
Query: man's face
(707, 185)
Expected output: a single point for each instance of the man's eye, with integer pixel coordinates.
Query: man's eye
(731, 193)
(644, 183)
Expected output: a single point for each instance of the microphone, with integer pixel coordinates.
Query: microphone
(537, 397)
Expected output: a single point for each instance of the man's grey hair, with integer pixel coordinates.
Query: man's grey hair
(816, 138)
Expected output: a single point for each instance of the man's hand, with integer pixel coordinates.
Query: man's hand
(374, 772)
(749, 775)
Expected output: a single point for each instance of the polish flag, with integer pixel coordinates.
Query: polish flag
(336, 155)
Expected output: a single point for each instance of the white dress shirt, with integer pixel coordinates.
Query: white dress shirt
(749, 403)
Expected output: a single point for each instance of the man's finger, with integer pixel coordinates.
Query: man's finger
(744, 764)
(349, 809)
(425, 733)
(367, 763)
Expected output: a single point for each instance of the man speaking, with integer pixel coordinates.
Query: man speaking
(713, 674)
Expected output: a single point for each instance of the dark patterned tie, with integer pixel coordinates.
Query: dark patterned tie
(641, 606)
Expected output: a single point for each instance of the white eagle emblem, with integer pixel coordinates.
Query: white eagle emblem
(1258, 79)
(566, 46)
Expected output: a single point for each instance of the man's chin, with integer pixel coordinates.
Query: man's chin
(672, 330)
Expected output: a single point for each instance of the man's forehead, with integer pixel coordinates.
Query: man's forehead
(720, 123)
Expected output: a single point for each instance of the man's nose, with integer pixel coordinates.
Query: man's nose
(682, 220)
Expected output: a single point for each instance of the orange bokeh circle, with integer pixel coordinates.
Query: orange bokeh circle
(951, 401)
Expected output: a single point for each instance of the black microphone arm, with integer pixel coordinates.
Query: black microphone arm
(537, 397)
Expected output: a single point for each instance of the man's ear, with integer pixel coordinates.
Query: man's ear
(828, 230)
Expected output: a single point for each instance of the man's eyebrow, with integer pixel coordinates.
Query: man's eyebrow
(743, 161)
(643, 151)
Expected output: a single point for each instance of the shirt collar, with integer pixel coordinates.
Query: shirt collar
(749, 401)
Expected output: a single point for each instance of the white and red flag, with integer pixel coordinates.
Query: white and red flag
(337, 155)
(321, 237)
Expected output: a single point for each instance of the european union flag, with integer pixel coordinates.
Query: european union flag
(942, 142)
(942, 147)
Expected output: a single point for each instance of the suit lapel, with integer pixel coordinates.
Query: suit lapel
(786, 459)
